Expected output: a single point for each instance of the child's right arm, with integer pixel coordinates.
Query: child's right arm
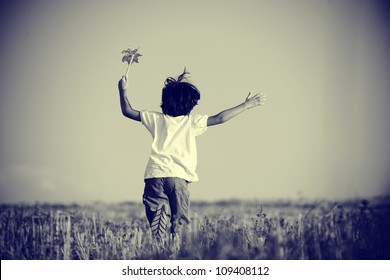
(224, 116)
(127, 110)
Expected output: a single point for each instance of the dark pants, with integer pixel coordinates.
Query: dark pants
(166, 203)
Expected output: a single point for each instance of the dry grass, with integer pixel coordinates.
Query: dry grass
(229, 230)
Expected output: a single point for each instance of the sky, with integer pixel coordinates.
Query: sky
(324, 66)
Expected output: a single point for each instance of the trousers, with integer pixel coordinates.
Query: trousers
(166, 202)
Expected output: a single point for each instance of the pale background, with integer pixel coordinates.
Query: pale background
(324, 66)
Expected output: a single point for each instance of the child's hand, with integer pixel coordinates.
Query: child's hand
(256, 100)
(122, 84)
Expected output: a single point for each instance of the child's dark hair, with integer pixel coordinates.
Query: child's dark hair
(179, 96)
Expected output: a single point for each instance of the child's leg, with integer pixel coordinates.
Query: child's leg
(178, 194)
(156, 206)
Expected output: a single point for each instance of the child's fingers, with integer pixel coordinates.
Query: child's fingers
(261, 102)
(258, 99)
(124, 79)
(256, 96)
(262, 98)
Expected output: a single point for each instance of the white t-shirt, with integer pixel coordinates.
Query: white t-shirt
(173, 152)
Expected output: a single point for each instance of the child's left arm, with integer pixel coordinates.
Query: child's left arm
(224, 116)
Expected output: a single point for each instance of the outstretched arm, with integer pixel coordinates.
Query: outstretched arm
(127, 110)
(224, 116)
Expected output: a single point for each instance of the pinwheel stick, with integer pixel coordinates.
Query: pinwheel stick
(128, 66)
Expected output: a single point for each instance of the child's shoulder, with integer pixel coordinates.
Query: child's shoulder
(199, 116)
(151, 113)
(150, 116)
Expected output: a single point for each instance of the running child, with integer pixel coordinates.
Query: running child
(173, 159)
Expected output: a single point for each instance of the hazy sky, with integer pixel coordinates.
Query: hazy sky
(324, 66)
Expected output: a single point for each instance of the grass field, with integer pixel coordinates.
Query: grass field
(224, 230)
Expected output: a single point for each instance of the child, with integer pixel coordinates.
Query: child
(173, 158)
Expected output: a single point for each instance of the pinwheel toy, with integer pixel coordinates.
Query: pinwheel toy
(130, 56)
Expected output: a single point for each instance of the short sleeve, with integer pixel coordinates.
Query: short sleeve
(148, 119)
(199, 124)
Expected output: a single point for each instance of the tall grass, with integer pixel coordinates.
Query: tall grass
(233, 230)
